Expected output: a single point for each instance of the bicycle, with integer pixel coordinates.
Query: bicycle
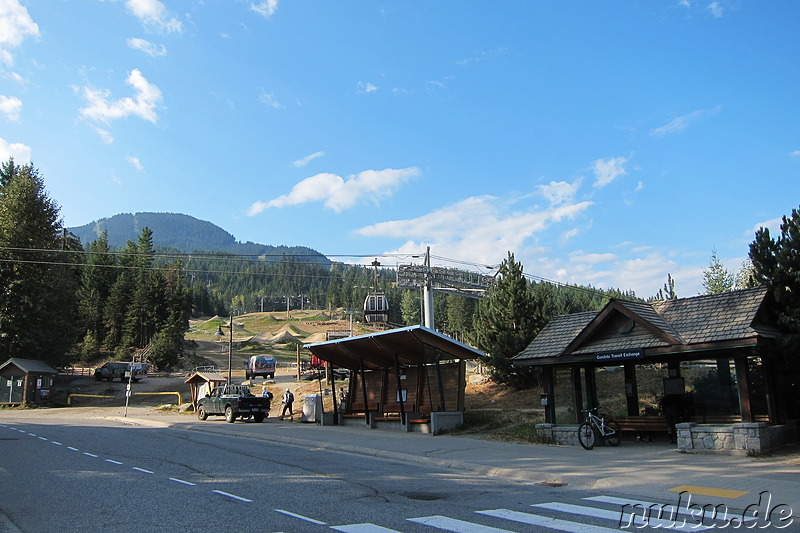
(597, 426)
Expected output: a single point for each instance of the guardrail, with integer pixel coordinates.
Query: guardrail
(71, 396)
(178, 394)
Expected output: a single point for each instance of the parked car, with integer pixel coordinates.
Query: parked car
(260, 365)
(233, 401)
(118, 369)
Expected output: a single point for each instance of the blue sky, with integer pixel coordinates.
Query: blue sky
(604, 143)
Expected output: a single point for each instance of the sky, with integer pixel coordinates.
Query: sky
(602, 143)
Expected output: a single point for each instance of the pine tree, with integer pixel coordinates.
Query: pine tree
(776, 264)
(37, 295)
(504, 323)
(716, 278)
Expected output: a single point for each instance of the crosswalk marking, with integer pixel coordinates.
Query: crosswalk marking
(632, 517)
(544, 521)
(364, 528)
(630, 514)
(683, 511)
(459, 526)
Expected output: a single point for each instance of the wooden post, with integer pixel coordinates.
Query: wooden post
(744, 388)
(577, 393)
(400, 398)
(631, 389)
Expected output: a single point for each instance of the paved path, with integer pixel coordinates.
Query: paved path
(653, 471)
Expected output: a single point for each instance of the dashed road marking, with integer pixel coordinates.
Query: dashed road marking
(234, 496)
(176, 480)
(143, 470)
(301, 517)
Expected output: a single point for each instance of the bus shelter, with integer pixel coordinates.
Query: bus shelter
(703, 371)
(410, 378)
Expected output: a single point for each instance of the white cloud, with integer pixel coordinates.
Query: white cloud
(773, 225)
(478, 229)
(679, 124)
(11, 107)
(105, 135)
(559, 192)
(607, 170)
(366, 88)
(151, 49)
(340, 194)
(135, 163)
(266, 8)
(307, 159)
(716, 9)
(16, 25)
(796, 153)
(143, 104)
(153, 14)
(268, 99)
(20, 152)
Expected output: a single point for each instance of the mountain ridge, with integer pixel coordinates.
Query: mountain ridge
(184, 233)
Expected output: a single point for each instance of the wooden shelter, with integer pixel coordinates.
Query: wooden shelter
(664, 366)
(202, 383)
(401, 376)
(25, 381)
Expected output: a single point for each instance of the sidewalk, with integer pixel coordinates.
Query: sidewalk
(645, 470)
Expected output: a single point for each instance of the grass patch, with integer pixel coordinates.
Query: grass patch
(511, 425)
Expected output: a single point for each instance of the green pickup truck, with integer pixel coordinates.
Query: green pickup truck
(233, 401)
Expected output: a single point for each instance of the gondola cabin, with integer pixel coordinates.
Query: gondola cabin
(376, 308)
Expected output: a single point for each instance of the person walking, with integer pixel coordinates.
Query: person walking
(288, 400)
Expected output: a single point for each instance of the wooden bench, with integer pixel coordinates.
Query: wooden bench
(642, 424)
(357, 410)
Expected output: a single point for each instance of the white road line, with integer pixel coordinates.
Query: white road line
(42, 438)
(31, 434)
(544, 521)
(56, 443)
(182, 481)
(113, 461)
(89, 454)
(364, 528)
(301, 517)
(234, 496)
(73, 449)
(459, 526)
(616, 516)
(142, 470)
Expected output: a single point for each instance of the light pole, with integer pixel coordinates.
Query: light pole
(230, 344)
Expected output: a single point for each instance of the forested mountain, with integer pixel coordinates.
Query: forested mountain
(184, 234)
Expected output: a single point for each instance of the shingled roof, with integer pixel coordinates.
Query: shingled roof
(662, 327)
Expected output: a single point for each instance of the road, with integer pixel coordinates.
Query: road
(67, 474)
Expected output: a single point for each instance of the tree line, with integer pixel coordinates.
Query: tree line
(62, 301)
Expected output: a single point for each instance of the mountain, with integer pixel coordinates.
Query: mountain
(183, 233)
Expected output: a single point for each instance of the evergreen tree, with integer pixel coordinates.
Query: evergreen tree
(504, 323)
(97, 278)
(37, 295)
(410, 307)
(776, 264)
(716, 278)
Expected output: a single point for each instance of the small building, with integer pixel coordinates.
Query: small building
(202, 383)
(411, 379)
(703, 370)
(25, 381)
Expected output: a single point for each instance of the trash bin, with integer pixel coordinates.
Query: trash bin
(312, 408)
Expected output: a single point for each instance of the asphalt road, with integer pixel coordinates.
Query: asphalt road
(101, 475)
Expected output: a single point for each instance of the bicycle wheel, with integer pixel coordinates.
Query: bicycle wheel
(586, 435)
(613, 434)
